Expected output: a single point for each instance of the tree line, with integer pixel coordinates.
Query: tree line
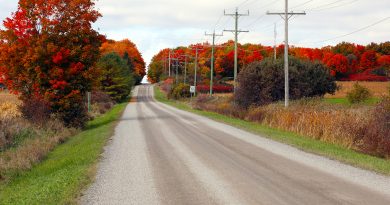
(345, 61)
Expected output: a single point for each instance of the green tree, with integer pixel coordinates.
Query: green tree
(116, 79)
(129, 62)
(263, 82)
(155, 71)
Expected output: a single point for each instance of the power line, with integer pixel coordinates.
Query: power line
(242, 3)
(261, 16)
(353, 32)
(302, 4)
(325, 5)
(345, 4)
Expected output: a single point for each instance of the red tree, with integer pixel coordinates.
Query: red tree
(368, 60)
(48, 50)
(338, 63)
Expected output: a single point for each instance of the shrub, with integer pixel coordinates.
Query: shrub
(12, 131)
(358, 94)
(167, 85)
(263, 82)
(216, 88)
(100, 103)
(219, 104)
(376, 139)
(180, 90)
(367, 76)
(36, 110)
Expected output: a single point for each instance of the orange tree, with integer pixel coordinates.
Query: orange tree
(47, 51)
(127, 49)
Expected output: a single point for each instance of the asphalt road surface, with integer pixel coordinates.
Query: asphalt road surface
(161, 155)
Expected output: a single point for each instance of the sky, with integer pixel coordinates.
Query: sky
(156, 24)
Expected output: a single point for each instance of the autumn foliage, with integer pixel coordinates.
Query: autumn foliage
(123, 48)
(47, 50)
(345, 61)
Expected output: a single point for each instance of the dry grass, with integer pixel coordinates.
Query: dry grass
(354, 127)
(327, 123)
(378, 89)
(33, 148)
(5, 96)
(22, 144)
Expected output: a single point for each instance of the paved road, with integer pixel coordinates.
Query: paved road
(161, 155)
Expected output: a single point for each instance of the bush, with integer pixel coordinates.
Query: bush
(167, 85)
(358, 94)
(367, 76)
(100, 103)
(36, 110)
(376, 139)
(180, 90)
(216, 88)
(263, 82)
(219, 104)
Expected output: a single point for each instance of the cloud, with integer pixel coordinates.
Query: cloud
(156, 24)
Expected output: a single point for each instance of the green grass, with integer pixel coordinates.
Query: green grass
(60, 178)
(344, 101)
(332, 151)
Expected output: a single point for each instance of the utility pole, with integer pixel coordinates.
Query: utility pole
(275, 33)
(236, 16)
(185, 68)
(286, 16)
(169, 62)
(197, 49)
(212, 60)
(165, 65)
(175, 66)
(177, 69)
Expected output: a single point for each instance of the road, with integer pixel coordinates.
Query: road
(162, 155)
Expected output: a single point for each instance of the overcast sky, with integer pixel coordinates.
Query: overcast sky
(157, 24)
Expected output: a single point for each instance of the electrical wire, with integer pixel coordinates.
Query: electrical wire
(353, 32)
(302, 4)
(341, 5)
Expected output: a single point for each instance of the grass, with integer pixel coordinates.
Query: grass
(378, 89)
(344, 101)
(60, 178)
(5, 96)
(332, 151)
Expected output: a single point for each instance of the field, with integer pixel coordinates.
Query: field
(378, 89)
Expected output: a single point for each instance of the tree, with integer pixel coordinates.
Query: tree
(338, 64)
(48, 50)
(115, 77)
(126, 46)
(263, 82)
(155, 71)
(368, 60)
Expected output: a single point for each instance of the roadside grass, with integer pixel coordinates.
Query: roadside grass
(329, 150)
(67, 170)
(344, 101)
